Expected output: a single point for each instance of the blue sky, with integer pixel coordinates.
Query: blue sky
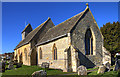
(14, 16)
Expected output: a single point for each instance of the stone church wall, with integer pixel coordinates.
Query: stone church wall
(106, 56)
(49, 24)
(74, 59)
(21, 50)
(41, 32)
(61, 45)
(78, 40)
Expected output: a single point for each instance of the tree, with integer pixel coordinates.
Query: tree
(111, 33)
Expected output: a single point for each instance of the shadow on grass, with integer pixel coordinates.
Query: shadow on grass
(89, 72)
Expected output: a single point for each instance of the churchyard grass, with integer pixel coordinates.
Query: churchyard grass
(110, 74)
(28, 70)
(92, 69)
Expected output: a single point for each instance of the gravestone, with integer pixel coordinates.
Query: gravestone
(40, 73)
(2, 67)
(101, 69)
(107, 65)
(45, 65)
(18, 65)
(10, 66)
(82, 70)
(9, 62)
(117, 65)
(15, 62)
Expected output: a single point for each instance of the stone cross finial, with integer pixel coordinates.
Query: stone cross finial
(87, 4)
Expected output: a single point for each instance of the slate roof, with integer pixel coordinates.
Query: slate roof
(31, 35)
(61, 29)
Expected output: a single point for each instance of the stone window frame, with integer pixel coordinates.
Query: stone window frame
(93, 42)
(25, 52)
(21, 57)
(16, 57)
(19, 51)
(54, 52)
(40, 53)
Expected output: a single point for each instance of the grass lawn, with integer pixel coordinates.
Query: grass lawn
(109, 74)
(92, 68)
(28, 70)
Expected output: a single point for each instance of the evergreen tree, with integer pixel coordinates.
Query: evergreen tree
(111, 33)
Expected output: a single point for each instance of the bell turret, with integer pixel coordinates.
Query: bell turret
(26, 31)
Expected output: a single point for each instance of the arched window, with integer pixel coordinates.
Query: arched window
(25, 52)
(19, 52)
(88, 42)
(20, 57)
(40, 53)
(16, 57)
(54, 52)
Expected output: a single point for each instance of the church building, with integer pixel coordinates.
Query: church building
(74, 42)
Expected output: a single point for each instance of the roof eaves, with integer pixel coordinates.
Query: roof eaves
(52, 39)
(21, 45)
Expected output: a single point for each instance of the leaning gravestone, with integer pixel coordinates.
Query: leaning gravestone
(107, 65)
(82, 70)
(101, 69)
(40, 73)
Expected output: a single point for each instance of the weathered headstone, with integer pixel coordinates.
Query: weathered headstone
(15, 62)
(101, 69)
(82, 70)
(40, 73)
(45, 65)
(9, 62)
(107, 65)
(10, 66)
(2, 67)
(117, 65)
(18, 65)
